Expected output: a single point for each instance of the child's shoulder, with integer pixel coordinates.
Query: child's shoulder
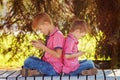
(67, 38)
(59, 33)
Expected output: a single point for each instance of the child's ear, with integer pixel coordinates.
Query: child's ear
(46, 23)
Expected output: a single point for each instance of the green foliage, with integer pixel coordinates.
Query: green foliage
(88, 45)
(14, 50)
(21, 12)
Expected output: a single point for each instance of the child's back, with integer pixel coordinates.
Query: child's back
(71, 64)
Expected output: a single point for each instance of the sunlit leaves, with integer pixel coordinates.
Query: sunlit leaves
(15, 49)
(88, 45)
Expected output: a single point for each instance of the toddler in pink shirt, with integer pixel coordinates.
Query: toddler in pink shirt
(51, 62)
(71, 64)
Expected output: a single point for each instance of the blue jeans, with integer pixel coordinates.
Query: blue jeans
(84, 65)
(40, 65)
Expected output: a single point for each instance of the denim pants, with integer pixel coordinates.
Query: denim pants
(84, 65)
(39, 65)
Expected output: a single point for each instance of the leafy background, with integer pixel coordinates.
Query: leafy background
(102, 16)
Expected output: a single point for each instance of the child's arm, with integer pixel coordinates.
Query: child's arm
(39, 44)
(68, 56)
(57, 52)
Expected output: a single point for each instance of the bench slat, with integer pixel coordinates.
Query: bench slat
(38, 78)
(82, 77)
(2, 72)
(13, 76)
(29, 78)
(109, 75)
(56, 78)
(47, 77)
(2, 79)
(91, 78)
(73, 78)
(100, 75)
(20, 77)
(117, 73)
(65, 78)
(6, 74)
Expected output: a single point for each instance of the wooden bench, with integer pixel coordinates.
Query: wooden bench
(107, 74)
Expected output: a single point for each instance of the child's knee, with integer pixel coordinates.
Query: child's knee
(27, 61)
(91, 64)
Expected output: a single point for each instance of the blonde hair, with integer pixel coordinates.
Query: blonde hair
(78, 24)
(40, 19)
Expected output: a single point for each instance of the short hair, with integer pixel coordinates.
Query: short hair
(78, 24)
(40, 19)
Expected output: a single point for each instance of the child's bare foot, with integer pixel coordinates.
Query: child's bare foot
(92, 71)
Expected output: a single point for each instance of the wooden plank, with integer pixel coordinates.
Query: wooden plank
(91, 77)
(73, 78)
(82, 78)
(109, 74)
(117, 73)
(6, 74)
(29, 78)
(47, 77)
(38, 77)
(64, 77)
(20, 77)
(100, 75)
(2, 71)
(56, 78)
(13, 76)
(2, 79)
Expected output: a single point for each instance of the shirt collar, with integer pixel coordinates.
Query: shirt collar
(53, 32)
(73, 38)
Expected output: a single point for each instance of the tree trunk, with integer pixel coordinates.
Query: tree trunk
(108, 17)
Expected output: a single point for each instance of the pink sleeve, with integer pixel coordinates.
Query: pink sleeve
(58, 41)
(69, 44)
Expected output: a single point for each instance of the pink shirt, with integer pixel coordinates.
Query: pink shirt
(70, 47)
(55, 40)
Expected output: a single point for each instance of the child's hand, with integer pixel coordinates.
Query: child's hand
(38, 44)
(81, 53)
